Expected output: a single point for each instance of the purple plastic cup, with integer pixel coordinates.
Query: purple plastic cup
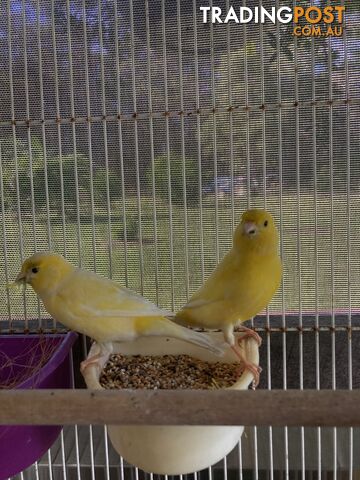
(22, 445)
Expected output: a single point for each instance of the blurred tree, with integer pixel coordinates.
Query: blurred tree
(17, 172)
(76, 183)
(174, 167)
(203, 63)
(100, 185)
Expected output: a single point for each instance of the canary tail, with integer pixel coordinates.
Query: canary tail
(198, 338)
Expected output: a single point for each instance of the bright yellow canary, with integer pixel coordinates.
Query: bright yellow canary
(98, 307)
(242, 284)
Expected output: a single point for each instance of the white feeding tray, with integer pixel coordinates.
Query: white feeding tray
(175, 450)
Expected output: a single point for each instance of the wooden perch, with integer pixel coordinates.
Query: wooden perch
(186, 407)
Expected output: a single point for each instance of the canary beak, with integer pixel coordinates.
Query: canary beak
(250, 228)
(21, 278)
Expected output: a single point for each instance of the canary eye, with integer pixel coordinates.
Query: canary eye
(34, 270)
(265, 223)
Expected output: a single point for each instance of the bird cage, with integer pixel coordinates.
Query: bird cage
(133, 134)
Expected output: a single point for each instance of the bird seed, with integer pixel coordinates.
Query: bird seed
(167, 372)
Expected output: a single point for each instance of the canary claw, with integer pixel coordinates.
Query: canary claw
(248, 332)
(89, 361)
(254, 369)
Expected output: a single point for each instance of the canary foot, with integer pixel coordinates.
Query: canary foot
(254, 369)
(249, 332)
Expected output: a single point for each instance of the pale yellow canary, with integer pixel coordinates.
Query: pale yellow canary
(98, 307)
(243, 283)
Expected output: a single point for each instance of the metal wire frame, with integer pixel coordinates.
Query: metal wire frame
(152, 154)
(119, 123)
(348, 213)
(213, 100)
(19, 215)
(59, 136)
(244, 107)
(182, 126)
(136, 137)
(167, 151)
(317, 339)
(73, 131)
(5, 249)
(283, 321)
(198, 138)
(298, 245)
(90, 146)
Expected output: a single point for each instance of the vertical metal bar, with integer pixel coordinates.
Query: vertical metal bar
(13, 129)
(73, 130)
(240, 460)
(136, 137)
(137, 169)
(92, 461)
(184, 183)
(348, 232)
(213, 100)
(106, 151)
(263, 133)
(76, 432)
(90, 151)
(106, 447)
(231, 130)
(247, 120)
(91, 436)
(263, 118)
(298, 243)
(225, 467)
(27, 109)
(43, 131)
(77, 452)
(283, 317)
(4, 242)
(163, 30)
(248, 174)
(198, 137)
(36, 468)
(122, 473)
(316, 234)
(50, 464)
(152, 154)
(58, 114)
(119, 123)
(63, 458)
(332, 257)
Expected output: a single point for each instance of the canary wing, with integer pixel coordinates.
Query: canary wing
(207, 306)
(89, 294)
(236, 291)
(107, 312)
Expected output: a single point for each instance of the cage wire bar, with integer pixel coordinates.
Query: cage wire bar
(106, 89)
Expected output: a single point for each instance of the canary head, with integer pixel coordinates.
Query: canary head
(257, 230)
(44, 270)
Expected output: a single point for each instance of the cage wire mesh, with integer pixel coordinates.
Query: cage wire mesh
(132, 137)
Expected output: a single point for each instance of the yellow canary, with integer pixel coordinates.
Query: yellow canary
(98, 307)
(242, 284)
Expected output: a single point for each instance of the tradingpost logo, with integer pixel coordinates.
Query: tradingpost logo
(308, 21)
(319, 22)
